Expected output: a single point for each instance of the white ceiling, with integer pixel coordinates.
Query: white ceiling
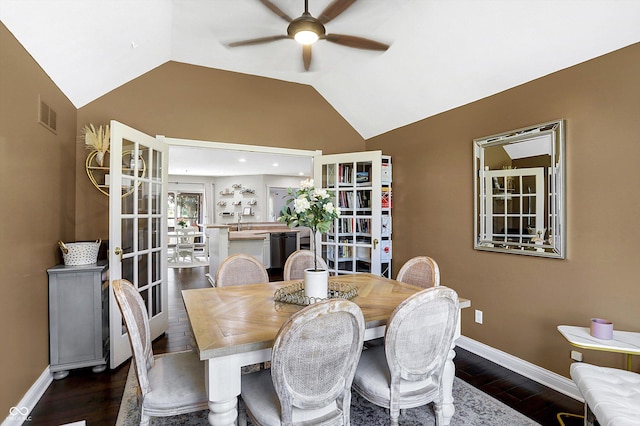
(444, 53)
(199, 161)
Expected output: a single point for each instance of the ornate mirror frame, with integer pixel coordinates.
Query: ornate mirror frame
(519, 204)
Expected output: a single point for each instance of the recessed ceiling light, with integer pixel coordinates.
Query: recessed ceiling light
(300, 173)
(242, 160)
(275, 164)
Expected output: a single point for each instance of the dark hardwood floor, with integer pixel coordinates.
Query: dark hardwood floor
(84, 395)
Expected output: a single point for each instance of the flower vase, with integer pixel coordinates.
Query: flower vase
(316, 283)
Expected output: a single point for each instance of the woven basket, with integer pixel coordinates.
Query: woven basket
(80, 253)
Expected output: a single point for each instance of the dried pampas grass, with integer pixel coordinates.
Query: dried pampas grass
(97, 140)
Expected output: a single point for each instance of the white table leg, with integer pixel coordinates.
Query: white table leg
(223, 413)
(223, 388)
(223, 381)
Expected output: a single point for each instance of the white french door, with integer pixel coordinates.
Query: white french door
(137, 225)
(360, 240)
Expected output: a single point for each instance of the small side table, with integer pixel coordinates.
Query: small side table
(625, 342)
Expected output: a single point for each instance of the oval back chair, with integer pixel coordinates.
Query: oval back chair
(407, 371)
(170, 384)
(313, 361)
(421, 271)
(297, 262)
(240, 269)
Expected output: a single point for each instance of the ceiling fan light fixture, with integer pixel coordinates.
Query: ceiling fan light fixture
(306, 37)
(306, 29)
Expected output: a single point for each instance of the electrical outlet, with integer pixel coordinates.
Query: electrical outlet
(478, 316)
(576, 356)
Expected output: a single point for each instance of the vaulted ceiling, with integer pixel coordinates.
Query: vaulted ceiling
(443, 54)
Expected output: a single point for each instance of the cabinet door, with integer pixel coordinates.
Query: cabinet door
(360, 240)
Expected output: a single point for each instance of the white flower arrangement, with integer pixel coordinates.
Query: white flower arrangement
(310, 207)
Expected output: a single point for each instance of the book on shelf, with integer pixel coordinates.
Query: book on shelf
(385, 251)
(386, 225)
(386, 197)
(385, 174)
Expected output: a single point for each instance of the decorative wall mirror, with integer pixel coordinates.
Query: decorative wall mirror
(519, 191)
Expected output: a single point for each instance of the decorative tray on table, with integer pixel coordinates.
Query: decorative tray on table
(294, 293)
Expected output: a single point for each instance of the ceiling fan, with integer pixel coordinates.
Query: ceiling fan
(307, 29)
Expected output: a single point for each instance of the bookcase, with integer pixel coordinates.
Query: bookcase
(360, 239)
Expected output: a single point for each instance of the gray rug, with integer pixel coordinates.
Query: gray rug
(473, 407)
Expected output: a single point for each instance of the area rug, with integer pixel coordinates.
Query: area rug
(473, 407)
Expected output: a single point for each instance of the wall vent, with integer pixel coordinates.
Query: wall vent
(47, 116)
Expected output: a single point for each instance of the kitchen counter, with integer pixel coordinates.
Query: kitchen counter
(253, 239)
(248, 235)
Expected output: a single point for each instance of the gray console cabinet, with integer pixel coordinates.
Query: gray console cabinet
(78, 318)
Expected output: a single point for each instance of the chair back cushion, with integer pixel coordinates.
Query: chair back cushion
(420, 334)
(315, 356)
(298, 261)
(421, 271)
(136, 320)
(240, 269)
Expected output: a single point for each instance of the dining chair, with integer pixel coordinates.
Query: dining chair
(407, 371)
(313, 361)
(421, 271)
(185, 245)
(240, 269)
(297, 262)
(170, 384)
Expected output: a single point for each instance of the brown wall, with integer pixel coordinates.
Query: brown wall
(189, 102)
(524, 298)
(37, 180)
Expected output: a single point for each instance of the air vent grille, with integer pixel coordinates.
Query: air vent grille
(47, 116)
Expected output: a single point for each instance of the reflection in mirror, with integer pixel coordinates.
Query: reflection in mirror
(519, 200)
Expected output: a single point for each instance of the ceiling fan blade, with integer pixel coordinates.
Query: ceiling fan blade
(334, 9)
(259, 40)
(275, 9)
(357, 42)
(306, 56)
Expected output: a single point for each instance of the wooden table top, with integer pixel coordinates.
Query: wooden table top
(244, 318)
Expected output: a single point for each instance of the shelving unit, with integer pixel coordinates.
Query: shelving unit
(360, 240)
(237, 192)
(99, 175)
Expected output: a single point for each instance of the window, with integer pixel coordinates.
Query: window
(184, 206)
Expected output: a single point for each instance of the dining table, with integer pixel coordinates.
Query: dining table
(236, 326)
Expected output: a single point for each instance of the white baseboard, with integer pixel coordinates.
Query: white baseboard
(520, 366)
(21, 412)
